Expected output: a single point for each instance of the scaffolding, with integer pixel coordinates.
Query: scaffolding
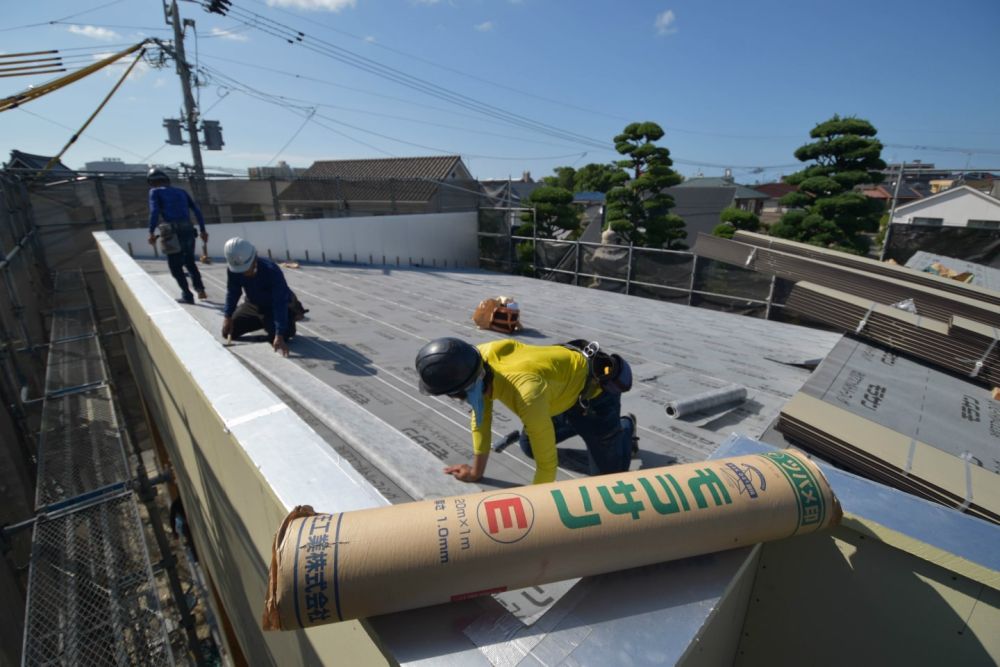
(92, 595)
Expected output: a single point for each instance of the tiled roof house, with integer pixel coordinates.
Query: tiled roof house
(334, 188)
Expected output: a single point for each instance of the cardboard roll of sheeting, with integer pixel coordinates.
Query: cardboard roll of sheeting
(327, 568)
(714, 400)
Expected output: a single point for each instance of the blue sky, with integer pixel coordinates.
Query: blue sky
(736, 83)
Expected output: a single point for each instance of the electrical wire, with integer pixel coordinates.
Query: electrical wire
(279, 101)
(369, 112)
(292, 36)
(88, 136)
(76, 135)
(321, 47)
(111, 25)
(453, 70)
(292, 138)
(63, 18)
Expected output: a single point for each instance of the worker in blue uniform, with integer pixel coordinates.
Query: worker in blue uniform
(173, 205)
(269, 304)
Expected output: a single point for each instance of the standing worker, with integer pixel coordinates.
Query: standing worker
(269, 304)
(173, 204)
(557, 391)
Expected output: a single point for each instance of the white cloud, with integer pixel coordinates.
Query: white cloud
(116, 68)
(424, 2)
(93, 32)
(370, 39)
(314, 5)
(664, 23)
(160, 82)
(226, 34)
(485, 26)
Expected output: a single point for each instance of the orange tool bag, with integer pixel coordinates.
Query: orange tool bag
(499, 314)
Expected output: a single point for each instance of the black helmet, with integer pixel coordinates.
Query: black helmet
(447, 366)
(156, 177)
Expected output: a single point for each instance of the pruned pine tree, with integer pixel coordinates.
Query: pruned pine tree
(638, 208)
(826, 209)
(733, 219)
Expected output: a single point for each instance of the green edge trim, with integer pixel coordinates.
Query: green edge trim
(777, 458)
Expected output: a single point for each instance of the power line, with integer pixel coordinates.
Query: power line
(948, 149)
(279, 101)
(369, 112)
(63, 18)
(110, 25)
(292, 138)
(73, 129)
(292, 36)
(453, 70)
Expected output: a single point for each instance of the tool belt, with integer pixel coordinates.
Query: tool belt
(610, 372)
(169, 243)
(501, 314)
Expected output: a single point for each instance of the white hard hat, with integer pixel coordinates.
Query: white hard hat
(240, 254)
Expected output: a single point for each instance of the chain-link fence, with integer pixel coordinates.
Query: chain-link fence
(92, 599)
(665, 275)
(977, 245)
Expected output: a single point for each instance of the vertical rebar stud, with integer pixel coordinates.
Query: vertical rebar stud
(694, 268)
(307, 254)
(269, 254)
(628, 274)
(324, 256)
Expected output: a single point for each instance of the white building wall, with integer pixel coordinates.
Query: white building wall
(954, 207)
(448, 240)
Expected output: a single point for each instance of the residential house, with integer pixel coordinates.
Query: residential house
(906, 193)
(743, 197)
(700, 201)
(29, 164)
(771, 208)
(960, 206)
(509, 192)
(388, 186)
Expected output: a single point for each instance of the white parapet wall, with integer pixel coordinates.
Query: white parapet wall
(446, 240)
(241, 458)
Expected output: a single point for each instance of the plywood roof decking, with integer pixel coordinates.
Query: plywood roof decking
(366, 324)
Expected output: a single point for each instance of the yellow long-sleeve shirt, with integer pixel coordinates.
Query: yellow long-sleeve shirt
(536, 383)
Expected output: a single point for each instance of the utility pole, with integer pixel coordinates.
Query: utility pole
(191, 108)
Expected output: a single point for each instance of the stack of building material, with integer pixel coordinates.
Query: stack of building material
(902, 423)
(961, 345)
(932, 302)
(984, 277)
(982, 288)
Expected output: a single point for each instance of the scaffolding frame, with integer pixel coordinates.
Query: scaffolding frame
(92, 596)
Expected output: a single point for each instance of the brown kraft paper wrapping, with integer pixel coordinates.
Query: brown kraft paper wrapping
(333, 567)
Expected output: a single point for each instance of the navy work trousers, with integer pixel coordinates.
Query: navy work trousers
(184, 259)
(606, 433)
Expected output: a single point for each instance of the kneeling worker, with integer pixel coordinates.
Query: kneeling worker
(553, 389)
(269, 304)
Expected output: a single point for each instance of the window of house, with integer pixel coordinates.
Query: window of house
(985, 224)
(929, 222)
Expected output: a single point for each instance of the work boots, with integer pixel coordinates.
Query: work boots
(635, 434)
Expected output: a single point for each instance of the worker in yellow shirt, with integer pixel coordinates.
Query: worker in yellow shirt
(553, 389)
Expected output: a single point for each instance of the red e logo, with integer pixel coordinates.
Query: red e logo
(505, 517)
